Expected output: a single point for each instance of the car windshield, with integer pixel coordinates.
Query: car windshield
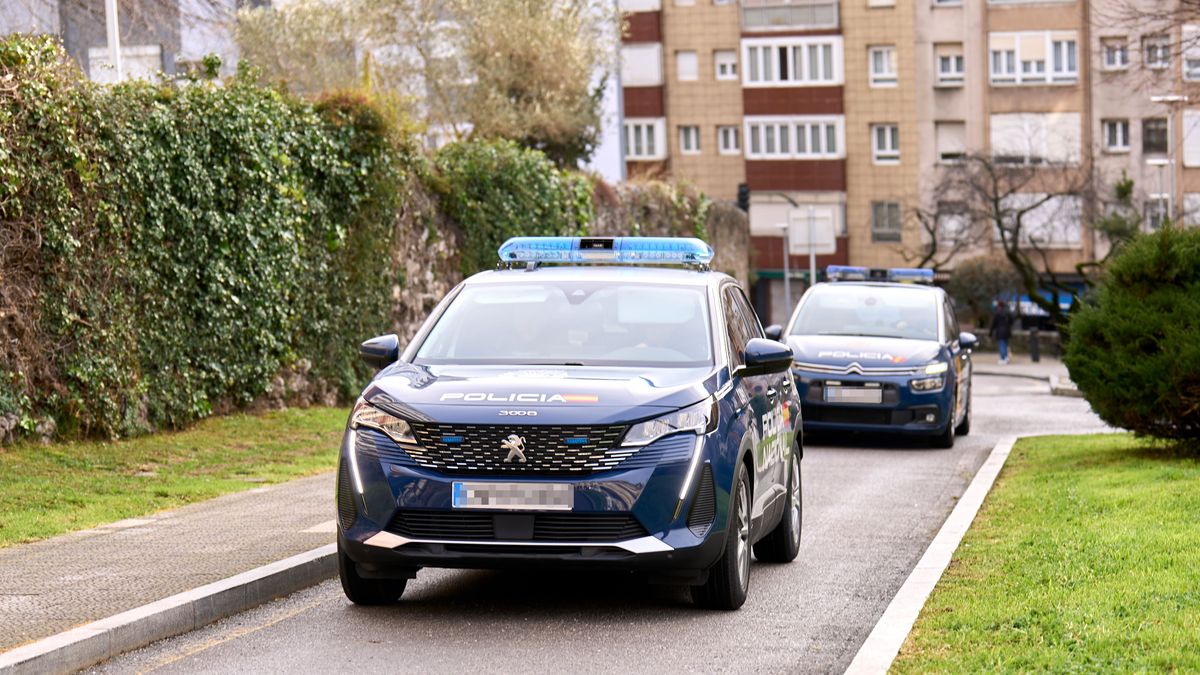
(573, 324)
(870, 311)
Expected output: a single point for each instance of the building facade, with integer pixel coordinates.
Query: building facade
(844, 118)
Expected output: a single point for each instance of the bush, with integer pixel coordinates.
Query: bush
(1134, 351)
(497, 189)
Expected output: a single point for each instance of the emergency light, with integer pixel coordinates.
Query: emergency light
(910, 275)
(846, 273)
(904, 275)
(630, 250)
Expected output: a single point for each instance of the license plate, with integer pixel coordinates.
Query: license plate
(514, 496)
(853, 395)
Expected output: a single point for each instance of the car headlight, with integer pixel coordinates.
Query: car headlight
(366, 415)
(936, 368)
(928, 383)
(700, 418)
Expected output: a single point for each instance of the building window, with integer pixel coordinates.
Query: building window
(950, 64)
(765, 15)
(725, 62)
(883, 65)
(1036, 138)
(881, 3)
(1116, 53)
(791, 62)
(1030, 50)
(644, 139)
(728, 142)
(1154, 136)
(953, 221)
(686, 66)
(1156, 52)
(885, 221)
(1116, 135)
(885, 143)
(947, 3)
(641, 65)
(801, 137)
(722, 2)
(1157, 208)
(689, 140)
(950, 140)
(1191, 52)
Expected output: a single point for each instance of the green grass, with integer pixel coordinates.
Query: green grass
(51, 489)
(1084, 558)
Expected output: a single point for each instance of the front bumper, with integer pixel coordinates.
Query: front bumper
(630, 517)
(901, 409)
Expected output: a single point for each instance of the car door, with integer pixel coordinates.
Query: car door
(960, 361)
(763, 396)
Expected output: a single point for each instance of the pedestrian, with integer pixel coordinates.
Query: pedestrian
(1001, 329)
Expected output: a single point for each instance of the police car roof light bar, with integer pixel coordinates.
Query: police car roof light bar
(846, 273)
(910, 275)
(622, 250)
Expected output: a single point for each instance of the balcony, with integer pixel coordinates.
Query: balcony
(768, 15)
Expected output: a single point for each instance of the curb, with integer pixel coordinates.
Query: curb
(98, 641)
(883, 644)
(1024, 376)
(1057, 388)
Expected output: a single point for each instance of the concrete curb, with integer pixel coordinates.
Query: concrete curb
(883, 644)
(92, 643)
(1059, 389)
(1024, 376)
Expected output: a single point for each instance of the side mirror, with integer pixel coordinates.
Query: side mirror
(380, 352)
(764, 357)
(967, 340)
(774, 332)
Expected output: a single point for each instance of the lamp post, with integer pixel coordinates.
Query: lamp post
(1171, 100)
(112, 23)
(787, 276)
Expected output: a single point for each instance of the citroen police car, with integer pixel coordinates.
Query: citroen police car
(881, 351)
(596, 403)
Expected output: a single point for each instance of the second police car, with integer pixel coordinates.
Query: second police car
(558, 412)
(881, 351)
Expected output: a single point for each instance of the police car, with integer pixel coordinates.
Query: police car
(596, 403)
(881, 351)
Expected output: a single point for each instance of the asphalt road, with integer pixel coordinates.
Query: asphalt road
(871, 506)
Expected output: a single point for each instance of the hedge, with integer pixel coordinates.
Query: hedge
(168, 252)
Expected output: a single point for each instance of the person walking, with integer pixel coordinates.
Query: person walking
(1001, 329)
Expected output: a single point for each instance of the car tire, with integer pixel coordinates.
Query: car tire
(964, 427)
(362, 591)
(729, 579)
(782, 545)
(944, 439)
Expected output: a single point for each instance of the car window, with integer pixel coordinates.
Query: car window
(584, 323)
(736, 326)
(951, 320)
(872, 311)
(753, 326)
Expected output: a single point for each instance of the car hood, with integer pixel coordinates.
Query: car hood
(542, 395)
(868, 352)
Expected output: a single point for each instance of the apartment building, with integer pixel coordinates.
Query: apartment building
(859, 109)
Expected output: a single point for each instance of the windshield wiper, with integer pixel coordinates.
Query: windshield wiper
(556, 363)
(875, 335)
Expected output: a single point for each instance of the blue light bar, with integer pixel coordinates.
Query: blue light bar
(909, 275)
(846, 273)
(633, 250)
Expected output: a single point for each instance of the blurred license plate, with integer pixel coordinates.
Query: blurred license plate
(853, 395)
(517, 496)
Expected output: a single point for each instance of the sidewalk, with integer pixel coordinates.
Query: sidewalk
(53, 585)
(1019, 365)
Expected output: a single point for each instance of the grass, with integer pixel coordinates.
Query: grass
(1084, 558)
(51, 489)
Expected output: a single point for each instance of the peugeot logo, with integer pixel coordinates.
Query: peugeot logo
(515, 445)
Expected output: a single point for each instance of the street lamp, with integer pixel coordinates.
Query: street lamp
(1162, 208)
(1171, 100)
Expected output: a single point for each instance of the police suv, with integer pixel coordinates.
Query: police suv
(596, 403)
(881, 351)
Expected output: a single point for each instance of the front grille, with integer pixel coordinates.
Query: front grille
(347, 511)
(460, 525)
(704, 506)
(848, 415)
(548, 450)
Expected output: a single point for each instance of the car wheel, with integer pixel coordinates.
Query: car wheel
(783, 543)
(964, 427)
(362, 591)
(729, 579)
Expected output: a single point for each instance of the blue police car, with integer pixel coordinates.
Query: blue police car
(881, 351)
(596, 403)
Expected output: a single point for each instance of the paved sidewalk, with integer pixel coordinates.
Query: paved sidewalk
(1019, 365)
(51, 586)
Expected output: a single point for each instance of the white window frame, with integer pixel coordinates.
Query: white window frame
(884, 78)
(1015, 70)
(1162, 210)
(1122, 128)
(899, 231)
(636, 56)
(680, 57)
(651, 151)
(727, 58)
(947, 3)
(1037, 130)
(764, 137)
(689, 139)
(725, 134)
(1112, 46)
(1158, 46)
(1189, 60)
(955, 158)
(885, 143)
(758, 71)
(955, 77)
